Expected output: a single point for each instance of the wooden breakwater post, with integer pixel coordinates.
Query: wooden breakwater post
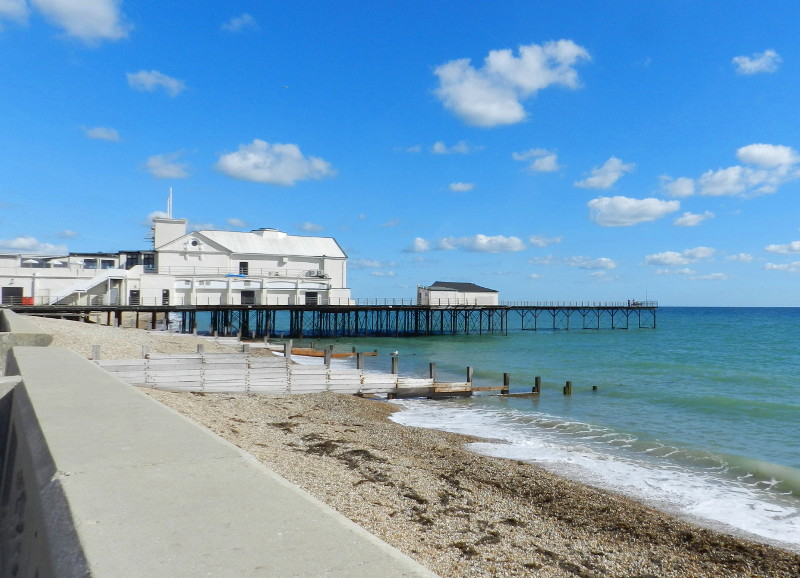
(201, 348)
(395, 364)
(432, 371)
(359, 361)
(328, 354)
(537, 384)
(287, 349)
(506, 384)
(95, 352)
(568, 388)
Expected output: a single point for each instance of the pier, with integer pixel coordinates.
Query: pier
(390, 318)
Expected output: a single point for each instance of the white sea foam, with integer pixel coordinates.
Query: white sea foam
(705, 496)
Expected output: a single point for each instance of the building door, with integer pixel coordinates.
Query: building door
(312, 298)
(248, 297)
(12, 295)
(165, 296)
(133, 297)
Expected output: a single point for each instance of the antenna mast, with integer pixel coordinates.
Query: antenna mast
(169, 204)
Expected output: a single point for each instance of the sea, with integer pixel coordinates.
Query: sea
(699, 416)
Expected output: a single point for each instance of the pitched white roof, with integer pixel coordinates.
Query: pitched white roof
(270, 242)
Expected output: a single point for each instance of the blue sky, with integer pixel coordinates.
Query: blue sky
(585, 151)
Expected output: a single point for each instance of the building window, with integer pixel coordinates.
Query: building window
(107, 264)
(244, 268)
(149, 261)
(90, 263)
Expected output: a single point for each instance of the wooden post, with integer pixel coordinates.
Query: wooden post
(359, 361)
(432, 370)
(594, 388)
(394, 365)
(246, 348)
(469, 375)
(537, 385)
(328, 353)
(506, 384)
(95, 352)
(201, 348)
(145, 351)
(568, 388)
(287, 349)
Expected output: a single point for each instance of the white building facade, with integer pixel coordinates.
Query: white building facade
(261, 267)
(444, 293)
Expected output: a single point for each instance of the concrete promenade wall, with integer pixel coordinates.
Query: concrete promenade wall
(98, 479)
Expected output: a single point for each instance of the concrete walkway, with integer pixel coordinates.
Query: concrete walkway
(118, 485)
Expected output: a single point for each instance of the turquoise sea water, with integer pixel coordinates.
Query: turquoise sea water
(700, 416)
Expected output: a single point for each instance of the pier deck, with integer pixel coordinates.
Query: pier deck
(384, 320)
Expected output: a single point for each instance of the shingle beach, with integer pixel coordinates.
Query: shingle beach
(456, 512)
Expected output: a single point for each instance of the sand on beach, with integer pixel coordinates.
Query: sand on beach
(456, 512)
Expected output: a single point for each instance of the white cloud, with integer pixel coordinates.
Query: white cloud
(767, 155)
(793, 267)
(67, 234)
(240, 23)
(149, 220)
(29, 244)
(461, 187)
(462, 147)
(592, 264)
(542, 160)
(201, 227)
(414, 149)
(493, 94)
(16, 10)
(234, 222)
(390, 224)
(311, 227)
(418, 245)
(793, 247)
(605, 176)
(772, 166)
(364, 264)
(382, 273)
(101, 132)
(684, 271)
(680, 187)
(273, 164)
(542, 241)
(87, 20)
(692, 219)
(675, 259)
(152, 80)
(711, 277)
(544, 261)
(759, 62)
(741, 257)
(624, 211)
(482, 243)
(167, 167)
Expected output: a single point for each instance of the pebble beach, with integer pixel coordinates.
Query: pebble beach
(419, 490)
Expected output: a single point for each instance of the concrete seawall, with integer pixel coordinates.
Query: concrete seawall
(98, 479)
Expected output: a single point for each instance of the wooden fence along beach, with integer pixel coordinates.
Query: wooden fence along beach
(244, 373)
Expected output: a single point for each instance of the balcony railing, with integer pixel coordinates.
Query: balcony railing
(186, 271)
